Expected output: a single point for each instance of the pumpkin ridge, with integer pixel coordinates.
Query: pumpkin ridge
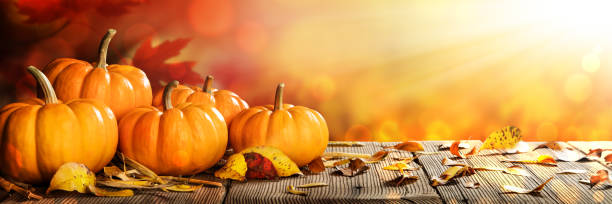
(34, 111)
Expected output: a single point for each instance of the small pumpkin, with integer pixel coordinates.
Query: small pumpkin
(178, 140)
(121, 87)
(227, 102)
(39, 136)
(300, 132)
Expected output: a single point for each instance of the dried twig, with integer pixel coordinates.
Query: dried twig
(193, 181)
(8, 187)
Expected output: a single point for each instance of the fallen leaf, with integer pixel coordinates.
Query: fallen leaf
(608, 158)
(594, 154)
(376, 157)
(486, 168)
(356, 166)
(471, 184)
(472, 152)
(447, 146)
(568, 155)
(572, 171)
(425, 153)
(125, 161)
(312, 185)
(397, 166)
(259, 167)
(542, 159)
(454, 149)
(602, 176)
(193, 181)
(237, 164)
(452, 172)
(182, 188)
(345, 144)
(521, 147)
(449, 162)
(335, 163)
(130, 184)
(316, 165)
(332, 155)
(550, 145)
(292, 190)
(77, 177)
(503, 139)
(406, 160)
(405, 177)
(515, 189)
(408, 146)
(516, 170)
(114, 171)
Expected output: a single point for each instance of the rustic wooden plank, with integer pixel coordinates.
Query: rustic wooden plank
(566, 186)
(370, 187)
(491, 181)
(205, 194)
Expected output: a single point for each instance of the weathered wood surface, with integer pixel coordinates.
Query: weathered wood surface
(372, 186)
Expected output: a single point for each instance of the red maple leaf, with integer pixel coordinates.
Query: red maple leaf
(152, 60)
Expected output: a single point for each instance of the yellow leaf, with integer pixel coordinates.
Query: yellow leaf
(292, 190)
(451, 172)
(236, 166)
(408, 146)
(72, 177)
(312, 185)
(399, 166)
(182, 188)
(542, 159)
(102, 192)
(506, 138)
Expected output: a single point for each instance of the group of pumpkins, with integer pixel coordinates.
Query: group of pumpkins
(179, 131)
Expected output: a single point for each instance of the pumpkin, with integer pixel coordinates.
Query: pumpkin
(178, 140)
(300, 132)
(122, 87)
(39, 136)
(227, 102)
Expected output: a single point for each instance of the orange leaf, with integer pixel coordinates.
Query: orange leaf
(408, 146)
(550, 145)
(454, 149)
(600, 177)
(542, 159)
(376, 157)
(316, 165)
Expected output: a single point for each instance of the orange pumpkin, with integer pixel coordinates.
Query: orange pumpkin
(227, 102)
(122, 87)
(300, 132)
(39, 136)
(179, 140)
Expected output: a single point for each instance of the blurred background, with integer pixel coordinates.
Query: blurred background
(377, 70)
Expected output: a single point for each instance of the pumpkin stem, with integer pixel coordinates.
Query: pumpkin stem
(103, 50)
(278, 98)
(167, 96)
(45, 85)
(208, 84)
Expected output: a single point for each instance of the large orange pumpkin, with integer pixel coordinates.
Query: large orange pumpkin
(122, 87)
(179, 140)
(39, 136)
(300, 132)
(227, 102)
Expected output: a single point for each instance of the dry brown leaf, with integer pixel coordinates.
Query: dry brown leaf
(193, 181)
(399, 166)
(128, 162)
(514, 189)
(8, 187)
(568, 155)
(102, 192)
(454, 149)
(452, 172)
(446, 146)
(602, 176)
(316, 166)
(573, 171)
(472, 184)
(376, 157)
(335, 163)
(608, 159)
(473, 152)
(408, 146)
(77, 177)
(405, 177)
(542, 159)
(406, 160)
(237, 166)
(345, 144)
(449, 162)
(114, 171)
(312, 185)
(291, 189)
(130, 184)
(594, 154)
(333, 155)
(356, 166)
(550, 145)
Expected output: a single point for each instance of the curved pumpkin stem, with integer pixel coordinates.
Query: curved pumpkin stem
(278, 98)
(167, 95)
(208, 84)
(45, 85)
(103, 49)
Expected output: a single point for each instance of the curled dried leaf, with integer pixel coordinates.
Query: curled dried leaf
(516, 170)
(404, 178)
(130, 184)
(193, 181)
(128, 162)
(472, 184)
(72, 177)
(376, 157)
(291, 189)
(542, 159)
(356, 166)
(594, 154)
(335, 163)
(262, 160)
(447, 146)
(312, 185)
(514, 189)
(451, 172)
(602, 176)
(503, 139)
(449, 162)
(608, 159)
(454, 149)
(397, 166)
(406, 160)
(568, 155)
(573, 171)
(408, 146)
(345, 144)
(316, 165)
(102, 192)
(181, 188)
(114, 171)
(550, 145)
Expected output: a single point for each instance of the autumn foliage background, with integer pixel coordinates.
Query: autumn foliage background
(377, 70)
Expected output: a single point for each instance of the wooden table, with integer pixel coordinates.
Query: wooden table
(372, 187)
